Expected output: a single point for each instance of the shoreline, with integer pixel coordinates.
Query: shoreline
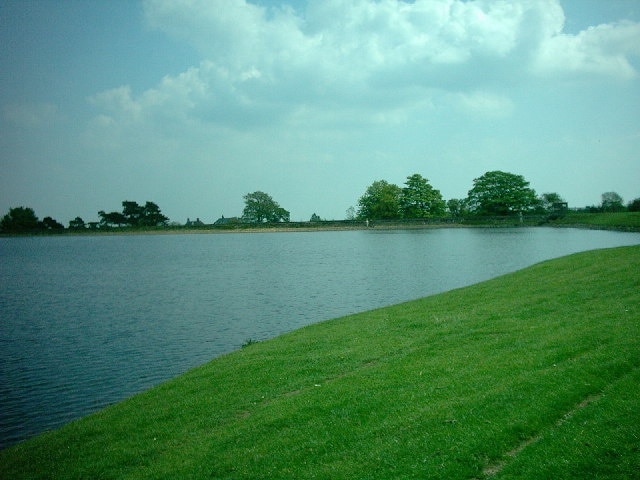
(329, 227)
(267, 229)
(190, 231)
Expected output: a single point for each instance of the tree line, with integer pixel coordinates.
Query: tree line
(24, 219)
(132, 215)
(496, 193)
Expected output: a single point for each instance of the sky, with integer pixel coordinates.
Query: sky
(192, 104)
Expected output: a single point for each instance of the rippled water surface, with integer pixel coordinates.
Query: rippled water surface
(89, 320)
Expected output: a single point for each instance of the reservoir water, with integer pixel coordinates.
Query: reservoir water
(86, 321)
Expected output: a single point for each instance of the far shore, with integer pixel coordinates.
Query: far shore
(275, 229)
(265, 229)
(620, 221)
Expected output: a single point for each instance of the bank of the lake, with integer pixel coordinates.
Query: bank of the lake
(621, 221)
(534, 374)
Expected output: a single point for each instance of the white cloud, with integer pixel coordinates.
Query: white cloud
(363, 57)
(603, 50)
(486, 104)
(118, 100)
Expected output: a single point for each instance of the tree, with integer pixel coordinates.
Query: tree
(260, 208)
(350, 214)
(381, 200)
(611, 202)
(501, 193)
(315, 218)
(457, 207)
(280, 215)
(51, 224)
(634, 205)
(20, 219)
(112, 219)
(419, 199)
(152, 216)
(77, 224)
(132, 213)
(552, 202)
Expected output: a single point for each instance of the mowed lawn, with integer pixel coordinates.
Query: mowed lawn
(530, 375)
(620, 220)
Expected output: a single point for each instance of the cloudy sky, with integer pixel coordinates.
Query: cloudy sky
(194, 103)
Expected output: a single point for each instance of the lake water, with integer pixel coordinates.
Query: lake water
(89, 320)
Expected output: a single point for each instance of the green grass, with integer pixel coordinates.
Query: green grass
(530, 375)
(615, 220)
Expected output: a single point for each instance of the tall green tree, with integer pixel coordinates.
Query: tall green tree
(20, 219)
(501, 193)
(381, 200)
(152, 216)
(551, 202)
(419, 199)
(132, 212)
(457, 207)
(260, 208)
(612, 202)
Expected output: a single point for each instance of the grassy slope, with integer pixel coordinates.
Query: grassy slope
(533, 374)
(618, 220)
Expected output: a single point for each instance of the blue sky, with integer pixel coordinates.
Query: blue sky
(192, 104)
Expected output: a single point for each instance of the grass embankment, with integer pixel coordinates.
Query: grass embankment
(611, 220)
(530, 375)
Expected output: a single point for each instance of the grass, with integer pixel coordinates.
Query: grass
(530, 375)
(614, 220)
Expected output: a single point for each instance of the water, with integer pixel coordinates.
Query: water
(89, 320)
